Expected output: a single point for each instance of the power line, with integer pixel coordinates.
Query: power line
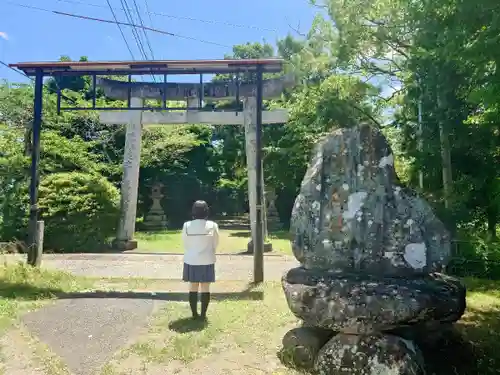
(15, 70)
(121, 23)
(135, 33)
(121, 31)
(212, 22)
(145, 28)
(149, 13)
(32, 80)
(144, 31)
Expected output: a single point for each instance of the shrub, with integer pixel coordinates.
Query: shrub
(475, 256)
(80, 211)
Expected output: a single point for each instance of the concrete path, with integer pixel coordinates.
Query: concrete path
(86, 332)
(158, 266)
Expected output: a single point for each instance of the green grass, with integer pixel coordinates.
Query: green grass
(23, 287)
(231, 241)
(240, 329)
(256, 328)
(236, 325)
(481, 324)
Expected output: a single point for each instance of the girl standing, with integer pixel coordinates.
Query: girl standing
(200, 237)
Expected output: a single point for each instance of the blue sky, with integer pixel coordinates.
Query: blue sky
(32, 35)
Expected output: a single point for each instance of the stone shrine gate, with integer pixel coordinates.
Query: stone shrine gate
(193, 114)
(136, 114)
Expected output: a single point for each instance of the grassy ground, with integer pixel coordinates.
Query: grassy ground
(23, 288)
(242, 336)
(231, 241)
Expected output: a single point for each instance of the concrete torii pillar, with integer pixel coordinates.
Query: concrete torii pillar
(250, 122)
(130, 180)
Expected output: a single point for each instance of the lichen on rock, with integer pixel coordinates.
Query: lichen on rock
(361, 304)
(369, 355)
(371, 254)
(353, 214)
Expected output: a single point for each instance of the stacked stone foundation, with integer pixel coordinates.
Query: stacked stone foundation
(365, 325)
(369, 291)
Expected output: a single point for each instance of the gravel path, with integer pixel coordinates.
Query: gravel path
(158, 266)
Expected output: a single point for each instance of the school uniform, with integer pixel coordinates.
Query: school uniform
(200, 238)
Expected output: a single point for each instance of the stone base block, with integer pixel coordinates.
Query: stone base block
(124, 245)
(268, 247)
(358, 303)
(369, 355)
(162, 225)
(445, 349)
(301, 346)
(274, 224)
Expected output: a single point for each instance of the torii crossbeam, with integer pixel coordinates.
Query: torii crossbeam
(164, 91)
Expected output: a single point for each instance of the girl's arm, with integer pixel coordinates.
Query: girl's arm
(216, 236)
(184, 234)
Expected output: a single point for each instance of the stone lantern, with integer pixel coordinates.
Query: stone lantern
(156, 219)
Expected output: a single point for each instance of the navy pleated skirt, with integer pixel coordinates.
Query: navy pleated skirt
(198, 274)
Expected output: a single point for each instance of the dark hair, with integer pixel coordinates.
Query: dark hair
(200, 210)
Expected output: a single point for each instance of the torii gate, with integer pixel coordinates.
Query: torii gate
(134, 116)
(190, 93)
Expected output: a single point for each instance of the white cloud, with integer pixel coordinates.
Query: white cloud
(4, 35)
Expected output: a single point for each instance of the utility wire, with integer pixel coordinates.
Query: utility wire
(134, 30)
(121, 23)
(145, 35)
(149, 13)
(145, 28)
(32, 80)
(144, 31)
(212, 22)
(121, 30)
(15, 70)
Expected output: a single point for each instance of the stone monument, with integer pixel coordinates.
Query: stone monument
(370, 287)
(156, 218)
(273, 220)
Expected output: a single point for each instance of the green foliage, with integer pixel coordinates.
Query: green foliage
(58, 154)
(315, 110)
(177, 157)
(80, 211)
(475, 256)
(438, 54)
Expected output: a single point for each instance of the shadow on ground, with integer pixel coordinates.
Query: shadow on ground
(163, 296)
(475, 285)
(185, 325)
(474, 348)
(22, 291)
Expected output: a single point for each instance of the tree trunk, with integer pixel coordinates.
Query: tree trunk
(492, 217)
(445, 151)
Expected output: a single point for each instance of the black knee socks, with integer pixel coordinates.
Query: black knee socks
(193, 302)
(205, 299)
